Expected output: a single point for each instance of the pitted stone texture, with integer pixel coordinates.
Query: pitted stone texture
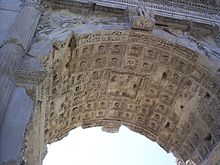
(154, 87)
(178, 9)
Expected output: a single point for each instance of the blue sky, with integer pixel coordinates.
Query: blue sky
(94, 147)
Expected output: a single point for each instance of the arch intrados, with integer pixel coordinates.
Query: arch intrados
(106, 144)
(152, 86)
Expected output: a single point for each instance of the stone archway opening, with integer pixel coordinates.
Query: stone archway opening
(156, 87)
(158, 75)
(93, 146)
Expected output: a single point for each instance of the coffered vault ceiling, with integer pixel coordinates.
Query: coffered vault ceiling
(152, 66)
(154, 87)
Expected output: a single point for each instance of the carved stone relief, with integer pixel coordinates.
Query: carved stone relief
(160, 78)
(114, 78)
(144, 19)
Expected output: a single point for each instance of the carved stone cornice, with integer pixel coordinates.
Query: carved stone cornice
(191, 4)
(179, 10)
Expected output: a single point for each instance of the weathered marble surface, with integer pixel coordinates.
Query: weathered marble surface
(16, 106)
(197, 12)
(64, 36)
(14, 125)
(9, 10)
(55, 31)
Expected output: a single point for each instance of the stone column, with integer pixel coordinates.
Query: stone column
(15, 47)
(13, 101)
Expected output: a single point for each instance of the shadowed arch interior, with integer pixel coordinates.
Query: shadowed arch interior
(155, 87)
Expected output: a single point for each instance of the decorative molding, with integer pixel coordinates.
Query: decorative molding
(28, 77)
(180, 10)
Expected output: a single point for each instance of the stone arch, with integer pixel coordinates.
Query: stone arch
(153, 86)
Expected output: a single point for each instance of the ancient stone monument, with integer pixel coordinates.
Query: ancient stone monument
(152, 66)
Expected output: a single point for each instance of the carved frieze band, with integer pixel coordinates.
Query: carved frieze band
(28, 77)
(194, 11)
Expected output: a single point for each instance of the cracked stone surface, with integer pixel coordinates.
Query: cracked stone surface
(107, 64)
